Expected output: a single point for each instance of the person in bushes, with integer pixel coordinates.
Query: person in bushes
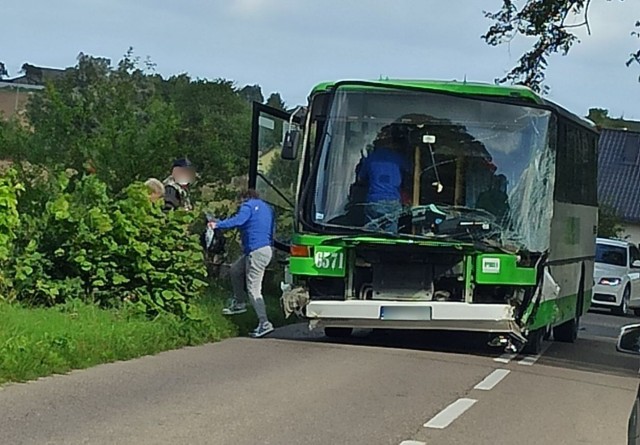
(256, 221)
(156, 189)
(176, 195)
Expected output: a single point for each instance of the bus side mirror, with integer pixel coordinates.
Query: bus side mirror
(290, 145)
(629, 339)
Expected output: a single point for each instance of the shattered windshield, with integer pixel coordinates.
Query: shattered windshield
(435, 166)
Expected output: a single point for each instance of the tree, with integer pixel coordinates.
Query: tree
(3, 70)
(215, 123)
(609, 222)
(548, 21)
(108, 117)
(602, 119)
(124, 123)
(275, 101)
(252, 93)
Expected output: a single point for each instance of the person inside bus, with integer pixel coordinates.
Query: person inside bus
(495, 199)
(382, 171)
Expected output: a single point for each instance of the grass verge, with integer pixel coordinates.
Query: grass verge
(36, 342)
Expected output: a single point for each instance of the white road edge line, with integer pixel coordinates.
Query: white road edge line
(531, 359)
(445, 417)
(505, 358)
(492, 380)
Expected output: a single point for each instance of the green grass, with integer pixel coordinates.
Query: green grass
(37, 342)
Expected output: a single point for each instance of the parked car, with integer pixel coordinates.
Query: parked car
(617, 276)
(629, 342)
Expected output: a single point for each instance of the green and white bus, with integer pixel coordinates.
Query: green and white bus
(495, 229)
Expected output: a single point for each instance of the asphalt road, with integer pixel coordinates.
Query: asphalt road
(378, 388)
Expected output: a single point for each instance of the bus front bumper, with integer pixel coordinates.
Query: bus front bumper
(436, 315)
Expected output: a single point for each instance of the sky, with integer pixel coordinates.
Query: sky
(289, 45)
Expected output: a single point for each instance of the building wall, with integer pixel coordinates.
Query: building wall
(12, 101)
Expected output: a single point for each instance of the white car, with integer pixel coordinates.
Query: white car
(617, 276)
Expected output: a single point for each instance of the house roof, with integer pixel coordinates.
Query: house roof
(36, 75)
(619, 172)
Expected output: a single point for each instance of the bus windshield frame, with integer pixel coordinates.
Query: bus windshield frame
(468, 150)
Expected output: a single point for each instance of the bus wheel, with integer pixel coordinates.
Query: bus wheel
(337, 332)
(567, 332)
(534, 342)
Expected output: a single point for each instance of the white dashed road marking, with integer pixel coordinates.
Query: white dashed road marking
(412, 442)
(505, 358)
(492, 380)
(531, 359)
(445, 417)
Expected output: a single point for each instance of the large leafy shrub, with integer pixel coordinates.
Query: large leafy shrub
(73, 240)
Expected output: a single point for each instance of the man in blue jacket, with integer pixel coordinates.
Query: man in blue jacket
(256, 222)
(383, 171)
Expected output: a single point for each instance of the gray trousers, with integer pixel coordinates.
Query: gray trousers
(246, 277)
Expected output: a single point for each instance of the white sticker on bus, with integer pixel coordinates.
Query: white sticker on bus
(491, 265)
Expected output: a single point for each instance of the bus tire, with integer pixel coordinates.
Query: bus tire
(567, 332)
(333, 332)
(534, 342)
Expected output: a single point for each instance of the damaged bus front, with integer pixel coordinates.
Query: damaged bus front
(425, 205)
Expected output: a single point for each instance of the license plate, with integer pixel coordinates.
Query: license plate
(405, 313)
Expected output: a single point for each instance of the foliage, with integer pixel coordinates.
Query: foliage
(3, 70)
(104, 120)
(214, 125)
(549, 22)
(124, 123)
(602, 119)
(635, 56)
(36, 342)
(75, 240)
(252, 93)
(275, 101)
(609, 222)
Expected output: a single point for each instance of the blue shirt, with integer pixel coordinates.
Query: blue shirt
(256, 222)
(383, 170)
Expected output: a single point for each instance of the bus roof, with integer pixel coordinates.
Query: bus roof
(518, 93)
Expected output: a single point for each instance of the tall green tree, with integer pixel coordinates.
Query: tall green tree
(609, 222)
(3, 70)
(275, 101)
(215, 124)
(124, 123)
(104, 119)
(551, 24)
(252, 93)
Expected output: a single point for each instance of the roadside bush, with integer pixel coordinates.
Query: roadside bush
(69, 239)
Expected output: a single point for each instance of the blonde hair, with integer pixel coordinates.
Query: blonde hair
(155, 186)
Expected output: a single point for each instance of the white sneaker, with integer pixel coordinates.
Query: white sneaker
(234, 308)
(262, 330)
